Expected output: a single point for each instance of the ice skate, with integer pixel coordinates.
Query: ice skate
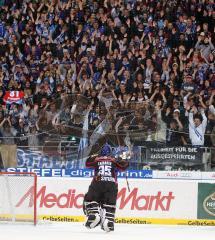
(93, 221)
(107, 226)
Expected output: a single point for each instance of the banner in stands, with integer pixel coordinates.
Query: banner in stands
(39, 159)
(57, 172)
(149, 201)
(174, 156)
(13, 97)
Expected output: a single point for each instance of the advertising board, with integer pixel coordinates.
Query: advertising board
(206, 201)
(177, 174)
(148, 199)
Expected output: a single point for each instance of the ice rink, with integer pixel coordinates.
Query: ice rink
(76, 231)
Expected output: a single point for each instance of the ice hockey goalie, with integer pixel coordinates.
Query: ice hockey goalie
(100, 200)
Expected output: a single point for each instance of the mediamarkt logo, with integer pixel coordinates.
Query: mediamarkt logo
(209, 204)
(133, 200)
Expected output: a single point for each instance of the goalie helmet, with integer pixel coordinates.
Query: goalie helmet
(106, 150)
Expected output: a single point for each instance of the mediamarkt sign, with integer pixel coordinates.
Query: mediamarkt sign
(148, 198)
(73, 199)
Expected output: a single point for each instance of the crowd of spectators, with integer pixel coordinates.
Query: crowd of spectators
(145, 66)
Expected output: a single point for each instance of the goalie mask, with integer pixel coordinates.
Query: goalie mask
(106, 150)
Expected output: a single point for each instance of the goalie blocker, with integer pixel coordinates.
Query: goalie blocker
(100, 200)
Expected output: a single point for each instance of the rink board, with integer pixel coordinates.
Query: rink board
(125, 220)
(150, 201)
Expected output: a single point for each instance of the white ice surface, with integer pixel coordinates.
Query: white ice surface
(76, 231)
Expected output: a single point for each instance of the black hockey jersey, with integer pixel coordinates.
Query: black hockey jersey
(106, 168)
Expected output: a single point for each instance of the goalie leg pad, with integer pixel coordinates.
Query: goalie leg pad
(92, 212)
(108, 218)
